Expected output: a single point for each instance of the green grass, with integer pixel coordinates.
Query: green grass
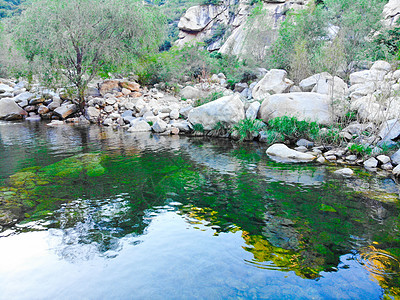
(248, 128)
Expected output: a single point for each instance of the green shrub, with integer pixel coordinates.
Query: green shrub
(248, 128)
(362, 150)
(198, 127)
(293, 129)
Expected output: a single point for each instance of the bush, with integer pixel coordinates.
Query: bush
(213, 96)
(247, 129)
(293, 129)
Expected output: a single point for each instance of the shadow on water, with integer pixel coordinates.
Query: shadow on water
(92, 187)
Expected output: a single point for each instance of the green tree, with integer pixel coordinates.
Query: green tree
(76, 39)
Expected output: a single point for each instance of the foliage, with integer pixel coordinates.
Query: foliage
(192, 62)
(359, 149)
(328, 36)
(79, 38)
(198, 127)
(293, 129)
(247, 129)
(218, 33)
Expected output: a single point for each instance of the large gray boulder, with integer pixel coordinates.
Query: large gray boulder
(9, 107)
(281, 152)
(303, 106)
(274, 82)
(4, 88)
(227, 110)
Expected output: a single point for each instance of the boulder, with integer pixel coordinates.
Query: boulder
(332, 86)
(304, 106)
(9, 107)
(159, 126)
(108, 86)
(42, 109)
(190, 92)
(309, 83)
(396, 158)
(65, 110)
(391, 12)
(381, 65)
(92, 114)
(227, 110)
(4, 88)
(370, 163)
(274, 82)
(132, 86)
(344, 172)
(396, 170)
(383, 159)
(252, 111)
(281, 152)
(184, 111)
(390, 131)
(139, 125)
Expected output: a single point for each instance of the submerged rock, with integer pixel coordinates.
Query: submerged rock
(344, 172)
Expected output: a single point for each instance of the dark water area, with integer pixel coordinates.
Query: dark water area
(106, 214)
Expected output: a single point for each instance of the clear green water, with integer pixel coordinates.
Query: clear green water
(111, 215)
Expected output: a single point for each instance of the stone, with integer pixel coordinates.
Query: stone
(43, 110)
(26, 96)
(396, 170)
(274, 82)
(92, 92)
(351, 158)
(183, 126)
(108, 109)
(303, 106)
(139, 126)
(305, 143)
(130, 85)
(383, 159)
(107, 122)
(321, 159)
(381, 65)
(55, 123)
(330, 157)
(109, 86)
(344, 172)
(93, 114)
(307, 84)
(334, 87)
(228, 110)
(174, 131)
(56, 103)
(33, 118)
(37, 100)
(387, 167)
(301, 149)
(9, 107)
(396, 158)
(4, 88)
(65, 110)
(240, 87)
(174, 114)
(190, 92)
(370, 163)
(184, 111)
(282, 153)
(159, 126)
(125, 91)
(252, 111)
(390, 131)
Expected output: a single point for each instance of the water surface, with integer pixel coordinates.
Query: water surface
(109, 214)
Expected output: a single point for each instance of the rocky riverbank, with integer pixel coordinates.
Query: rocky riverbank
(370, 98)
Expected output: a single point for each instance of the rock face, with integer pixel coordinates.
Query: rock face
(213, 24)
(391, 12)
(9, 107)
(304, 106)
(282, 153)
(274, 82)
(227, 110)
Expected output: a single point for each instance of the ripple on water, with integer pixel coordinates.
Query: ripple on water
(378, 262)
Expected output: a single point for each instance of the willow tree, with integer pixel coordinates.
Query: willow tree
(79, 38)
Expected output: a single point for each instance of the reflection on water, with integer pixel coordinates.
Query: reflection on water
(182, 218)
